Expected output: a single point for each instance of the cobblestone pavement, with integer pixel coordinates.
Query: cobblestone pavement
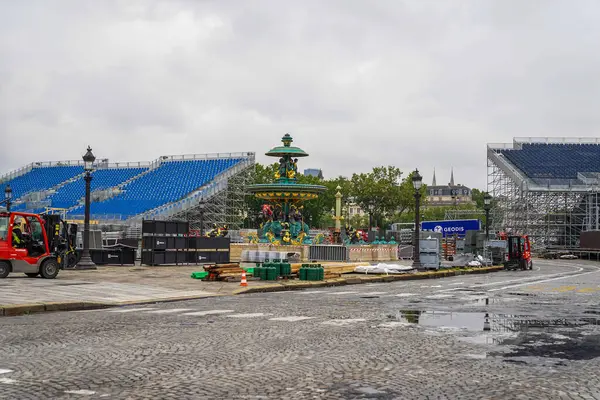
(27, 291)
(110, 284)
(509, 335)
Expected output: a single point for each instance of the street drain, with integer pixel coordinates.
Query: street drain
(369, 297)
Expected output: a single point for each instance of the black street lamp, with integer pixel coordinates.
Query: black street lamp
(417, 181)
(7, 197)
(487, 203)
(86, 261)
(201, 207)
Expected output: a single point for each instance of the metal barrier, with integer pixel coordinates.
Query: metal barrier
(328, 253)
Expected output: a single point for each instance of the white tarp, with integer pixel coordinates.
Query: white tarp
(383, 269)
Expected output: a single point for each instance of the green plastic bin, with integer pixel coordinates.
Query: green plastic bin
(199, 275)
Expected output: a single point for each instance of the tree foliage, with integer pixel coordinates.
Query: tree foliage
(382, 193)
(385, 193)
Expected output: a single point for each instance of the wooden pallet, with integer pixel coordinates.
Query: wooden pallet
(219, 272)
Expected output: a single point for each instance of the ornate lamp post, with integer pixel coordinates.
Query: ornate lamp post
(201, 207)
(417, 181)
(337, 214)
(7, 197)
(487, 203)
(88, 164)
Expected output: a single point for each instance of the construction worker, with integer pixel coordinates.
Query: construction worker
(17, 234)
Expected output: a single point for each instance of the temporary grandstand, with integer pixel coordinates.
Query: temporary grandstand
(546, 188)
(170, 187)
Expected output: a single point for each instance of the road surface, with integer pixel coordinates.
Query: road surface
(507, 335)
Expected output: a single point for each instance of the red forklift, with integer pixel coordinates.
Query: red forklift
(35, 244)
(518, 254)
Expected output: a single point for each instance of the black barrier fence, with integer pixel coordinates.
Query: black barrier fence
(152, 227)
(166, 243)
(118, 255)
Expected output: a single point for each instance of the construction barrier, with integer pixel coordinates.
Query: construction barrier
(328, 253)
(306, 253)
(373, 253)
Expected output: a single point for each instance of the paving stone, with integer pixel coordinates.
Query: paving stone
(293, 346)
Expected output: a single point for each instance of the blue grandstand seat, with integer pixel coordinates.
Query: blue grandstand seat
(40, 178)
(68, 195)
(555, 161)
(171, 181)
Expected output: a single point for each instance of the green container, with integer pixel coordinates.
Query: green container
(312, 273)
(199, 275)
(250, 271)
(271, 273)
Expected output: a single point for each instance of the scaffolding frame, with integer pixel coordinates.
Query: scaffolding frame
(553, 214)
(227, 207)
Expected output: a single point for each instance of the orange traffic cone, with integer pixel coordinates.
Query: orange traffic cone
(244, 282)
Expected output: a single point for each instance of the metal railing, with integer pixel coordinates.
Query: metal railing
(328, 253)
(556, 140)
(104, 164)
(208, 156)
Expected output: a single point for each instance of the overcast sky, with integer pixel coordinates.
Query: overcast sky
(358, 83)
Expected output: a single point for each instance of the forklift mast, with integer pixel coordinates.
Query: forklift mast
(61, 236)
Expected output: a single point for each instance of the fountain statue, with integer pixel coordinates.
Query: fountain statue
(282, 222)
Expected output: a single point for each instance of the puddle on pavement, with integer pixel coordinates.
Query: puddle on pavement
(485, 301)
(519, 335)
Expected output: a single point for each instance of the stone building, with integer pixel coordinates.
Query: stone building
(448, 195)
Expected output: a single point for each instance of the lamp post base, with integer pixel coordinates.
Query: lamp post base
(85, 263)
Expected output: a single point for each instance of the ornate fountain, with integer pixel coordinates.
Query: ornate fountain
(282, 222)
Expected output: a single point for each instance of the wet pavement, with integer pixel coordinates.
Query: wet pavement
(509, 335)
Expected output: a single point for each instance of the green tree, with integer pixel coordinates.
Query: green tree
(383, 194)
(477, 196)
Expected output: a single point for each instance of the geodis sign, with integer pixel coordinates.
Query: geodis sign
(452, 227)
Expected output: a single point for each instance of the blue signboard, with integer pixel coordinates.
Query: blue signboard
(451, 227)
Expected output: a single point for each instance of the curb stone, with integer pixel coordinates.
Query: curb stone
(13, 310)
(276, 287)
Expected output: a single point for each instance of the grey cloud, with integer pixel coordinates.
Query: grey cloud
(358, 84)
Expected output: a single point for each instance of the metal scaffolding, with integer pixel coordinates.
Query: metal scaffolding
(227, 207)
(553, 212)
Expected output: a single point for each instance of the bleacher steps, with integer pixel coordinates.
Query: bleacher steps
(214, 187)
(108, 193)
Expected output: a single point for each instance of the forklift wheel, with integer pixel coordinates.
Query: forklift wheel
(49, 269)
(4, 269)
(32, 274)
